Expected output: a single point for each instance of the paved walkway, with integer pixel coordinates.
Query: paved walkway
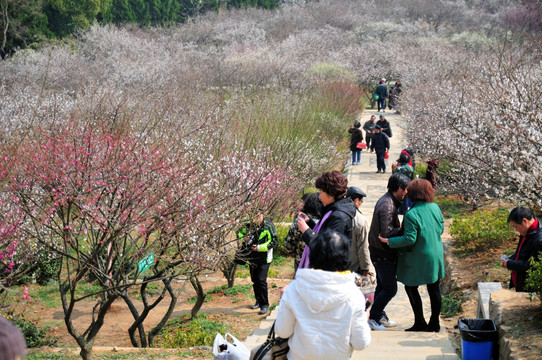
(393, 343)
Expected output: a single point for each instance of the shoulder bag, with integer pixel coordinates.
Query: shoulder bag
(274, 348)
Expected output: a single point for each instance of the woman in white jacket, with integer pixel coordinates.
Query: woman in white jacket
(322, 311)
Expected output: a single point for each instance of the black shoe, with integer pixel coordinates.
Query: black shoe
(383, 171)
(418, 327)
(263, 310)
(255, 306)
(433, 325)
(378, 172)
(433, 328)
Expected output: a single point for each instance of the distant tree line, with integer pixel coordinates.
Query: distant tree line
(25, 23)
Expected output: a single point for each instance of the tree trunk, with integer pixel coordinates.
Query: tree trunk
(229, 269)
(167, 315)
(146, 340)
(138, 324)
(86, 352)
(200, 296)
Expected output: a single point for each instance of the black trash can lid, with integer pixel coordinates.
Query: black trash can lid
(478, 330)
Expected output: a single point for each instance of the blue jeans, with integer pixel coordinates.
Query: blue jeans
(386, 285)
(356, 156)
(381, 104)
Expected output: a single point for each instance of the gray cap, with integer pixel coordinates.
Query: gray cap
(355, 193)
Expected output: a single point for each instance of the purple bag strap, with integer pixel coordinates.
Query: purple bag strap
(304, 262)
(321, 222)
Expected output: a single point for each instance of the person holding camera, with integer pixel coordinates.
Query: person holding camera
(259, 236)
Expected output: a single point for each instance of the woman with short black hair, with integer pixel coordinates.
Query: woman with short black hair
(337, 214)
(529, 247)
(322, 312)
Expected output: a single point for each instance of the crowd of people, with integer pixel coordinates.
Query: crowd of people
(322, 311)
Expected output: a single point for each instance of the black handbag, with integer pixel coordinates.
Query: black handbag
(274, 348)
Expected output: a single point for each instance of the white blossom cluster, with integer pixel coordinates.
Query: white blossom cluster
(238, 100)
(483, 118)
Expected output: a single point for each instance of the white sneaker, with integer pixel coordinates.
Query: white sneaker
(375, 326)
(387, 322)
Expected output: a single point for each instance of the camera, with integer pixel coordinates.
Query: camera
(250, 240)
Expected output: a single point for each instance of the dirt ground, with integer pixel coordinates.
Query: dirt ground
(241, 320)
(233, 310)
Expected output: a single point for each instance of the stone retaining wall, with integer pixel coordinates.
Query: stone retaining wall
(519, 321)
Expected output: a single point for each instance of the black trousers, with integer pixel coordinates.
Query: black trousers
(368, 141)
(416, 302)
(380, 161)
(258, 275)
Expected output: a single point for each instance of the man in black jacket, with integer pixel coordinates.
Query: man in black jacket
(529, 246)
(386, 221)
(369, 128)
(385, 125)
(380, 144)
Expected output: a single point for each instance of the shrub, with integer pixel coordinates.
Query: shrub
(481, 230)
(282, 231)
(183, 333)
(43, 268)
(451, 306)
(420, 170)
(534, 277)
(47, 267)
(34, 335)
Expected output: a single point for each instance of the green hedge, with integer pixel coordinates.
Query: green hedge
(481, 230)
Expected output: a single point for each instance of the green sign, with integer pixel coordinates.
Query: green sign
(145, 263)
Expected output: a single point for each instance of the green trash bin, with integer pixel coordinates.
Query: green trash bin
(479, 339)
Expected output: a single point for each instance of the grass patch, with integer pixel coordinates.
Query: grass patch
(273, 273)
(217, 289)
(279, 260)
(231, 292)
(184, 332)
(239, 289)
(242, 273)
(193, 299)
(452, 206)
(48, 295)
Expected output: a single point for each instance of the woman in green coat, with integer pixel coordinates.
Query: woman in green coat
(421, 254)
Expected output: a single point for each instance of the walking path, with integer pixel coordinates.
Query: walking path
(394, 343)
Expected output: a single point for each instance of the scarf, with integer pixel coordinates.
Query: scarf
(533, 227)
